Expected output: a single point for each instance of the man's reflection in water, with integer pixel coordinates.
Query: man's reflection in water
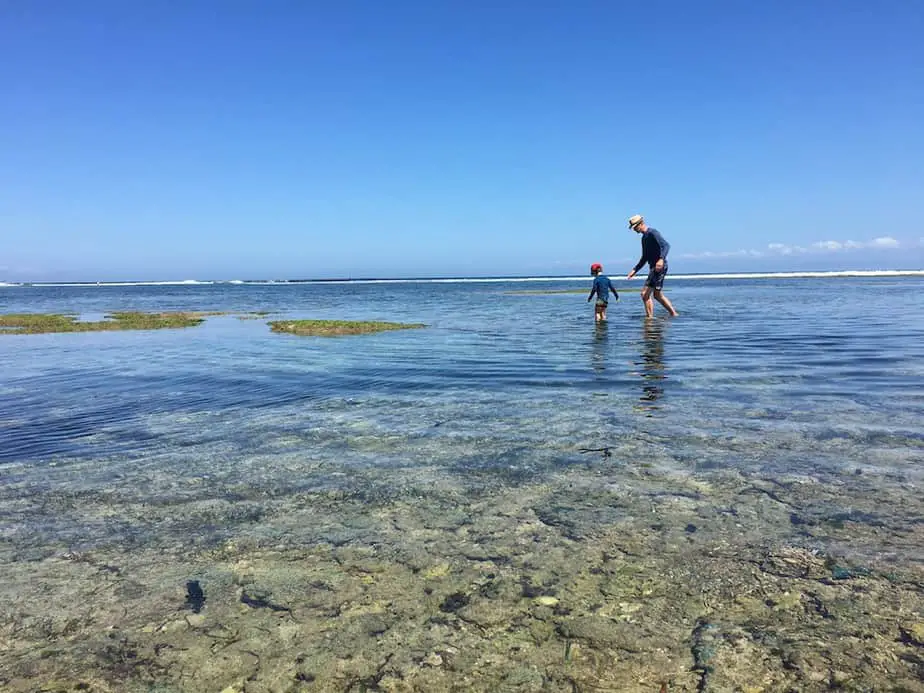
(598, 348)
(651, 365)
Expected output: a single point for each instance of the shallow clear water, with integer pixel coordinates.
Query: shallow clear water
(509, 499)
(790, 377)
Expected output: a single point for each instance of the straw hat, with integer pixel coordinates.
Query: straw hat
(635, 220)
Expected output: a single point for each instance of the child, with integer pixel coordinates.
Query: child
(602, 287)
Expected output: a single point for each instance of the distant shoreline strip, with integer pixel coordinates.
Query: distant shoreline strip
(475, 280)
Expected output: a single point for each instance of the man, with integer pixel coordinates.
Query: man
(654, 252)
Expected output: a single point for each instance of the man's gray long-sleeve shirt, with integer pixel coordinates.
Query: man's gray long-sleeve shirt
(654, 248)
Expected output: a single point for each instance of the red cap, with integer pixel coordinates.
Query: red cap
(596, 267)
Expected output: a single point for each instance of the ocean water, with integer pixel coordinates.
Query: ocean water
(511, 498)
(508, 380)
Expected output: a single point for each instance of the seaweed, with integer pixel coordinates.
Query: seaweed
(334, 328)
(43, 323)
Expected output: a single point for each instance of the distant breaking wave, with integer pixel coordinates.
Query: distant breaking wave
(799, 275)
(184, 282)
(463, 280)
(740, 275)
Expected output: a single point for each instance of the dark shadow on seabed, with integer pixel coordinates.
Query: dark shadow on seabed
(650, 364)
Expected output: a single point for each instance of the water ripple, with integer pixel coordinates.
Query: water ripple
(496, 378)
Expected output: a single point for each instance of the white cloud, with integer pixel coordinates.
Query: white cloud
(724, 253)
(883, 242)
(783, 249)
(834, 246)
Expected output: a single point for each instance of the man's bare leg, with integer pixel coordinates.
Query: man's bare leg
(646, 299)
(665, 301)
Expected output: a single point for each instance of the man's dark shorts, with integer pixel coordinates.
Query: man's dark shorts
(656, 279)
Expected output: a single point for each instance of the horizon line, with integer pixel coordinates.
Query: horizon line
(798, 274)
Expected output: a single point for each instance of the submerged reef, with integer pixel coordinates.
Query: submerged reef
(43, 323)
(601, 578)
(554, 292)
(40, 323)
(333, 328)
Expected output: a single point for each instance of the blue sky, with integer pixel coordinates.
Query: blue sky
(151, 140)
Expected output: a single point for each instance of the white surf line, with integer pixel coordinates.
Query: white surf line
(485, 280)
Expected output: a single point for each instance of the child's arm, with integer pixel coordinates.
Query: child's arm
(613, 289)
(593, 290)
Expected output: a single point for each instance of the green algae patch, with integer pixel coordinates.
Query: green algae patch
(42, 323)
(552, 292)
(336, 328)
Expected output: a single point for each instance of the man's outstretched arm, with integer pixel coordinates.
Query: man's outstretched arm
(638, 266)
